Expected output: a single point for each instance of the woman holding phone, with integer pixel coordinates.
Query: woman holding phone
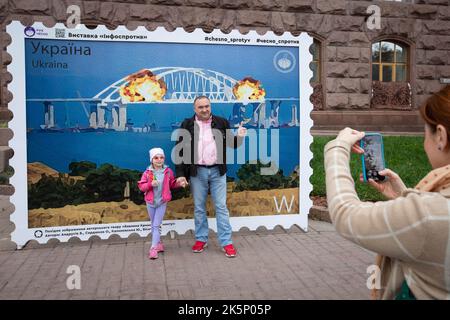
(411, 231)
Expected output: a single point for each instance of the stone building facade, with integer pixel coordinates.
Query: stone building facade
(346, 90)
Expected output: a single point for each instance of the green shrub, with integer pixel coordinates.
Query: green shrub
(180, 193)
(51, 192)
(81, 168)
(108, 183)
(250, 178)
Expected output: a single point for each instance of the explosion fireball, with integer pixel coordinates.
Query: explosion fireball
(143, 86)
(248, 89)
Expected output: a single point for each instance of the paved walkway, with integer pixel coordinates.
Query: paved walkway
(276, 264)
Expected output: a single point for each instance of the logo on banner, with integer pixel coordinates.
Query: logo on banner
(29, 31)
(38, 233)
(284, 61)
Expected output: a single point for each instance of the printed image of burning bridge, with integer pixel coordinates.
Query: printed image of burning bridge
(107, 110)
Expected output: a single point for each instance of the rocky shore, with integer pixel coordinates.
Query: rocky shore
(245, 203)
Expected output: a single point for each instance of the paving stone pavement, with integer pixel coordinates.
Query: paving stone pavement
(278, 264)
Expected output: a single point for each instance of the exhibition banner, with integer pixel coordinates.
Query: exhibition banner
(88, 105)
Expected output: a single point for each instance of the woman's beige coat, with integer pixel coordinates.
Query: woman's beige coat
(412, 230)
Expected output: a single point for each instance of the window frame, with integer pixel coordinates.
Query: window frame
(393, 64)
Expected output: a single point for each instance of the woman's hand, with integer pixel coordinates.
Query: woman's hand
(352, 137)
(391, 188)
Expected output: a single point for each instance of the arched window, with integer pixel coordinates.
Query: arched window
(315, 64)
(389, 61)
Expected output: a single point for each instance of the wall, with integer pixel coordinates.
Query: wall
(340, 26)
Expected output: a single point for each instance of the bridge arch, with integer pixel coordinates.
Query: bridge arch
(183, 85)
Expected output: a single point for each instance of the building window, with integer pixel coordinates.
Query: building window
(315, 64)
(389, 62)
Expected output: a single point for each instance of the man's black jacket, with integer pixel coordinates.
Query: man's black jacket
(190, 169)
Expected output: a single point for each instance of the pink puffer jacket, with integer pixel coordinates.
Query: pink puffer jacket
(169, 182)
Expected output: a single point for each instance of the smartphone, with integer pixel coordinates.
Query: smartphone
(373, 157)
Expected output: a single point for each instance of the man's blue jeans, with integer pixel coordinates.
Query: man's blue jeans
(218, 187)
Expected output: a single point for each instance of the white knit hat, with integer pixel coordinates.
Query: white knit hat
(154, 151)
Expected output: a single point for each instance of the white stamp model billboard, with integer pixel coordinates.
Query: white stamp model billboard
(88, 104)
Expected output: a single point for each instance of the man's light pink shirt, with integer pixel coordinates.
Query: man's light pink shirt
(207, 149)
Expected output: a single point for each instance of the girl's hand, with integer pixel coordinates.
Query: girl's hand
(391, 188)
(182, 182)
(155, 183)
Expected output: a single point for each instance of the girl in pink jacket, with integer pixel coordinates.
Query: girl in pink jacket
(156, 183)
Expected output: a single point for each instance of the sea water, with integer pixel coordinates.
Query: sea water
(129, 150)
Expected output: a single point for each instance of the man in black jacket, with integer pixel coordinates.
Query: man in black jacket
(201, 157)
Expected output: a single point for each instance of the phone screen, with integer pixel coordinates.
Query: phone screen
(373, 157)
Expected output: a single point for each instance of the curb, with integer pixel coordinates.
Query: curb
(319, 213)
